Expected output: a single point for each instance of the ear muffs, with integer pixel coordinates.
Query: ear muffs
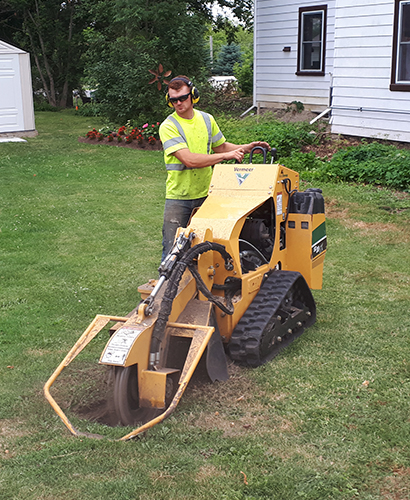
(194, 91)
(169, 103)
(195, 94)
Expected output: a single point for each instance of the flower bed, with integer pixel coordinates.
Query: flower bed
(146, 137)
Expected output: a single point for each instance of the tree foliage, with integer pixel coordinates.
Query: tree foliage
(52, 32)
(111, 45)
(137, 36)
(243, 70)
(227, 57)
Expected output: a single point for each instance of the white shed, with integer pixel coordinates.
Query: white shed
(352, 56)
(16, 93)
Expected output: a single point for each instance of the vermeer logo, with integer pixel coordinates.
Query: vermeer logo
(242, 173)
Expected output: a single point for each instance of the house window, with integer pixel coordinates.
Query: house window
(312, 40)
(400, 75)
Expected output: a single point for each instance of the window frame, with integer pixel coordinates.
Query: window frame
(302, 11)
(394, 86)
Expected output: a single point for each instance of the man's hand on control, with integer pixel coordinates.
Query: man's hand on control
(236, 154)
(256, 144)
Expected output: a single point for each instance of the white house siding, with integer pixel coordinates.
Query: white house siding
(16, 95)
(363, 104)
(275, 81)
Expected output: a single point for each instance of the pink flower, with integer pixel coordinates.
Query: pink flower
(145, 126)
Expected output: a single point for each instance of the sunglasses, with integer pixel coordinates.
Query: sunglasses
(182, 98)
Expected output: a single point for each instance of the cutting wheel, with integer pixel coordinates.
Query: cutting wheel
(126, 398)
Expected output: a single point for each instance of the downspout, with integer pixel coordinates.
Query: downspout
(329, 109)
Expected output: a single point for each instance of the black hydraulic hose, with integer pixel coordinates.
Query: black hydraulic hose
(172, 288)
(290, 193)
(227, 309)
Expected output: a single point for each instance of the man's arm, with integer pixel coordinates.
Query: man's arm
(199, 160)
(224, 152)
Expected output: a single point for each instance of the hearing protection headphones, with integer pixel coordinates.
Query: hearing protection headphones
(194, 90)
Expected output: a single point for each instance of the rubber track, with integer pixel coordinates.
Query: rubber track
(283, 303)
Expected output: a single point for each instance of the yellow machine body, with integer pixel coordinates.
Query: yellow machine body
(247, 206)
(235, 192)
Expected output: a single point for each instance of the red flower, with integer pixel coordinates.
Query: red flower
(92, 134)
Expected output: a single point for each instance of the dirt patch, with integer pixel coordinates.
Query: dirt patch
(86, 391)
(328, 144)
(233, 407)
(10, 429)
(93, 400)
(207, 472)
(397, 486)
(99, 408)
(335, 211)
(290, 114)
(144, 146)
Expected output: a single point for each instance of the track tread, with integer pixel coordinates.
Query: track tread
(255, 338)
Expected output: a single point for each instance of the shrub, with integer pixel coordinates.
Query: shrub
(307, 164)
(285, 137)
(244, 74)
(373, 163)
(90, 109)
(45, 106)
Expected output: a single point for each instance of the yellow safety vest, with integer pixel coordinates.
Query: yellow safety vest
(199, 135)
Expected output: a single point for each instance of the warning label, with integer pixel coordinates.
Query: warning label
(279, 207)
(119, 346)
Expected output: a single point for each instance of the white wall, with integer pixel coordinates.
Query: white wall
(11, 103)
(275, 81)
(16, 95)
(362, 69)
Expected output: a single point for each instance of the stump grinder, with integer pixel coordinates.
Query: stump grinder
(236, 282)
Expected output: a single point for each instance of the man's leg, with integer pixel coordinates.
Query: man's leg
(176, 214)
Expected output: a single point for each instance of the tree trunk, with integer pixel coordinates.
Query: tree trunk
(50, 91)
(66, 94)
(66, 100)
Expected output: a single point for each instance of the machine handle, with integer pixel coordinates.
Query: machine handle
(265, 152)
(273, 152)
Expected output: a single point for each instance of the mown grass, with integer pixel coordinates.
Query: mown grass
(329, 418)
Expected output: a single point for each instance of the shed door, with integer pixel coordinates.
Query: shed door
(11, 103)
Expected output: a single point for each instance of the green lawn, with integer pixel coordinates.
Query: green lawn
(80, 230)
